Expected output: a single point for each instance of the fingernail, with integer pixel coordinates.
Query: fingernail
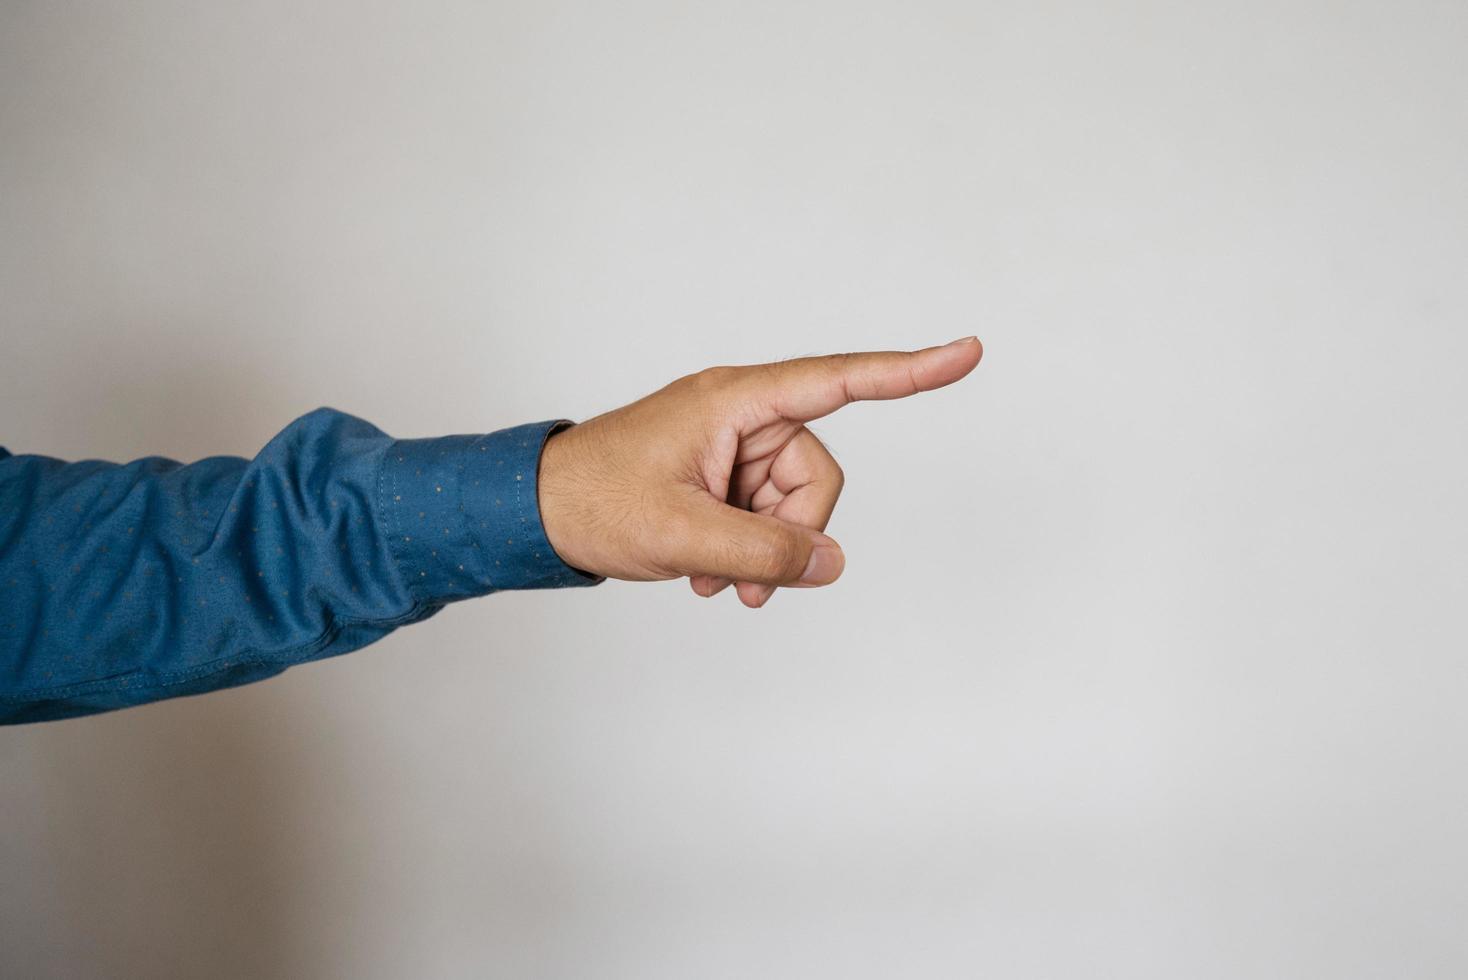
(961, 340)
(826, 562)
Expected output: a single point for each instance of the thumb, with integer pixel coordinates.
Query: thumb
(727, 542)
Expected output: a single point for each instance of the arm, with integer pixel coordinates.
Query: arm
(126, 584)
(121, 584)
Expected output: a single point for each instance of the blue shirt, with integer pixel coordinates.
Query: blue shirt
(121, 584)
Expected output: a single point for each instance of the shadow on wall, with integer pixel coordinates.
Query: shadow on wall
(157, 841)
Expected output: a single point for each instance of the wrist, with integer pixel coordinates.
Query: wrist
(557, 499)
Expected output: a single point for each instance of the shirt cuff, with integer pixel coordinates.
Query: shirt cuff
(462, 515)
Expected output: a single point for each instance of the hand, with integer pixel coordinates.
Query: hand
(716, 476)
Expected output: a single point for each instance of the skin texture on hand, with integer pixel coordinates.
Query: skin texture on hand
(715, 477)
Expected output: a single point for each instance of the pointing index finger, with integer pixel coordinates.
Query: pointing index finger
(807, 388)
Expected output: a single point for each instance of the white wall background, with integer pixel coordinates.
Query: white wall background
(1150, 659)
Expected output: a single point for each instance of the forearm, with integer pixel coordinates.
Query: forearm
(130, 583)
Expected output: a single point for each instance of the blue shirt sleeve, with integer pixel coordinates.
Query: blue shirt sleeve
(122, 584)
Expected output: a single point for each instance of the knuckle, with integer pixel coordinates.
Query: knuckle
(779, 557)
(839, 371)
(674, 530)
(712, 379)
